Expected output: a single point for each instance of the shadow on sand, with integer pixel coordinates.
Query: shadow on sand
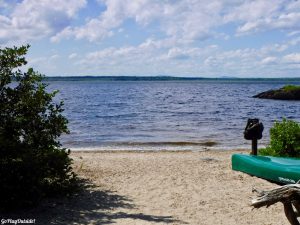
(89, 206)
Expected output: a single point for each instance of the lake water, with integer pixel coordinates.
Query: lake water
(167, 115)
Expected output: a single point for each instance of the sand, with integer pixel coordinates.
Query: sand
(159, 188)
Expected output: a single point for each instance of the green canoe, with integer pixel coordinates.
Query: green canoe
(278, 169)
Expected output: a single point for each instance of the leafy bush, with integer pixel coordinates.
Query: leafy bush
(285, 139)
(32, 162)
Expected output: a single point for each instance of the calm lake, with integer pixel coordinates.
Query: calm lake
(167, 115)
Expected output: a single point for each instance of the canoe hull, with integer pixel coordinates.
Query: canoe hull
(277, 169)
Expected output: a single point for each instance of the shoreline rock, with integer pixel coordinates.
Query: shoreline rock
(280, 94)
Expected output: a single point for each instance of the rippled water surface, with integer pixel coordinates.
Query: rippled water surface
(172, 115)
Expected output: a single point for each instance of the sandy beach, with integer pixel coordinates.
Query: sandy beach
(158, 188)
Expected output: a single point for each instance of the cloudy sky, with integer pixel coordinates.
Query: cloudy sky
(206, 38)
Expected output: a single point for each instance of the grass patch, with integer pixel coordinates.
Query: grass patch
(291, 88)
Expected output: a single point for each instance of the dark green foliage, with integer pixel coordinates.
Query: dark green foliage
(285, 139)
(32, 162)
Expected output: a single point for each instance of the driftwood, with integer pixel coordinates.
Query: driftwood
(289, 195)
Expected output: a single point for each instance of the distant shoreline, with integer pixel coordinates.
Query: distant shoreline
(161, 78)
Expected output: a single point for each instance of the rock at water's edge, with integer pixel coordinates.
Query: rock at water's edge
(279, 94)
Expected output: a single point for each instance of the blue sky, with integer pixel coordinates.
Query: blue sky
(198, 38)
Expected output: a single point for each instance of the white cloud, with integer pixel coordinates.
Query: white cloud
(155, 57)
(44, 64)
(263, 15)
(54, 57)
(252, 10)
(188, 20)
(177, 53)
(294, 41)
(241, 60)
(92, 31)
(170, 57)
(192, 20)
(293, 58)
(185, 20)
(269, 60)
(293, 33)
(33, 19)
(102, 27)
(73, 56)
(151, 57)
(176, 37)
(275, 48)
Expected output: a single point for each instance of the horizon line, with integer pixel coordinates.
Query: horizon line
(162, 76)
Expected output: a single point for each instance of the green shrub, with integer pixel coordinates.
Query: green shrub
(291, 88)
(32, 162)
(285, 139)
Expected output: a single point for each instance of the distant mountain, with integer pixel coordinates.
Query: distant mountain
(228, 77)
(122, 78)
